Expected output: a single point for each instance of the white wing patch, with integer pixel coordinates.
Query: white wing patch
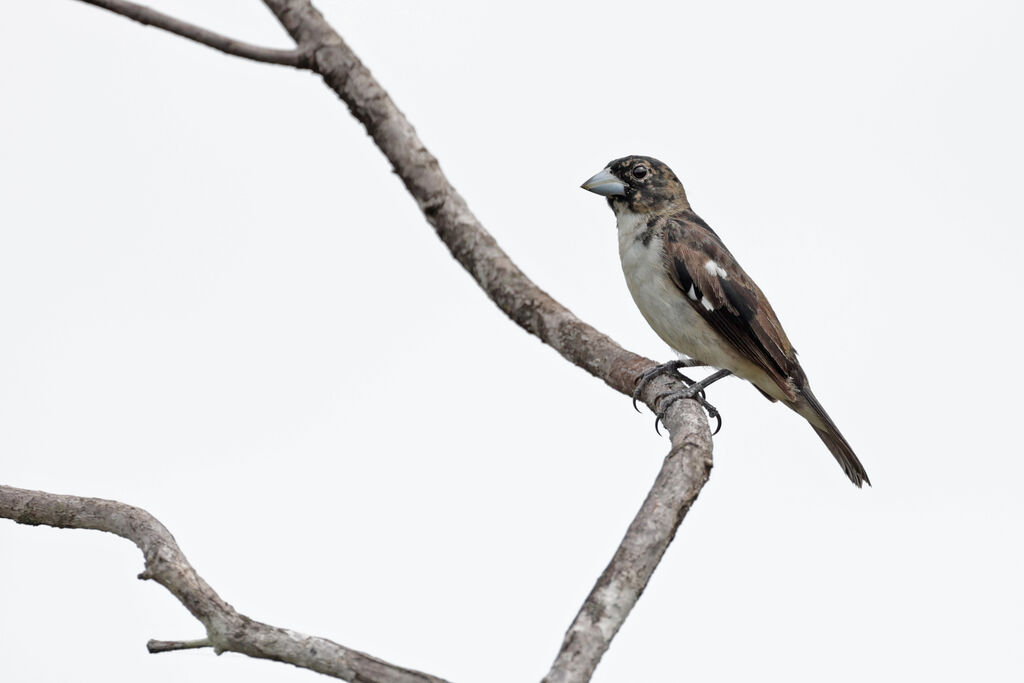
(714, 269)
(692, 293)
(707, 304)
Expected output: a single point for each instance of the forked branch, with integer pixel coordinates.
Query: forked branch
(226, 629)
(299, 58)
(683, 474)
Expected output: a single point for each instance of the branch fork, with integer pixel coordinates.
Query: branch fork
(684, 472)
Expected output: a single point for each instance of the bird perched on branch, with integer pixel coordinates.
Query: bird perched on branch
(700, 301)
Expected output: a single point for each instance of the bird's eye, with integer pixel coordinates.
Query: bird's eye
(639, 172)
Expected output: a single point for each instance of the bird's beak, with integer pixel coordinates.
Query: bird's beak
(604, 183)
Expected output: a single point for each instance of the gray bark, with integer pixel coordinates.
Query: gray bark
(685, 471)
(150, 17)
(226, 629)
(683, 474)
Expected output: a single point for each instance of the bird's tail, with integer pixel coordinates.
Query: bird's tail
(826, 429)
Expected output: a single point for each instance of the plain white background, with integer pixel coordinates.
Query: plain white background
(218, 304)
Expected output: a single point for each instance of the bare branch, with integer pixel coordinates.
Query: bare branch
(688, 464)
(538, 313)
(514, 293)
(686, 469)
(299, 58)
(226, 629)
(683, 474)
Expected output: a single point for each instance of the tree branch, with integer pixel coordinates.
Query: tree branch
(226, 629)
(298, 58)
(684, 473)
(512, 291)
(686, 467)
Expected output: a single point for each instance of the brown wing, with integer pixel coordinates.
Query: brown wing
(725, 296)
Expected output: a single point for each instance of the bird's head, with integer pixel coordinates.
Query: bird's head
(639, 184)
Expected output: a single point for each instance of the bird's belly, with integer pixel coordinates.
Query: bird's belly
(672, 317)
(665, 308)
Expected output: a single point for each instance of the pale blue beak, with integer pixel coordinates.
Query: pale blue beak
(604, 183)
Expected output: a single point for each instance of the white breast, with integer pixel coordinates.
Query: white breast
(662, 303)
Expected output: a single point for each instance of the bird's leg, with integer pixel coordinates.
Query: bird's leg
(665, 368)
(694, 391)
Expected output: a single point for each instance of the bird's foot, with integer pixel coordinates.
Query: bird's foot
(694, 391)
(671, 367)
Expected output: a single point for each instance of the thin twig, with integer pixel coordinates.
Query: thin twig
(298, 58)
(155, 646)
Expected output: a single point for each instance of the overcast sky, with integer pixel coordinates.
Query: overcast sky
(218, 304)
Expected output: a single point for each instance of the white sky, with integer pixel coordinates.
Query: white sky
(219, 305)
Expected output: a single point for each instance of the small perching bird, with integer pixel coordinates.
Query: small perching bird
(700, 301)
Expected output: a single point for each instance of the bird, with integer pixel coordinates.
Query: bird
(697, 298)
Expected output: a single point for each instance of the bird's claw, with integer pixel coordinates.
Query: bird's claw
(644, 378)
(695, 393)
(694, 390)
